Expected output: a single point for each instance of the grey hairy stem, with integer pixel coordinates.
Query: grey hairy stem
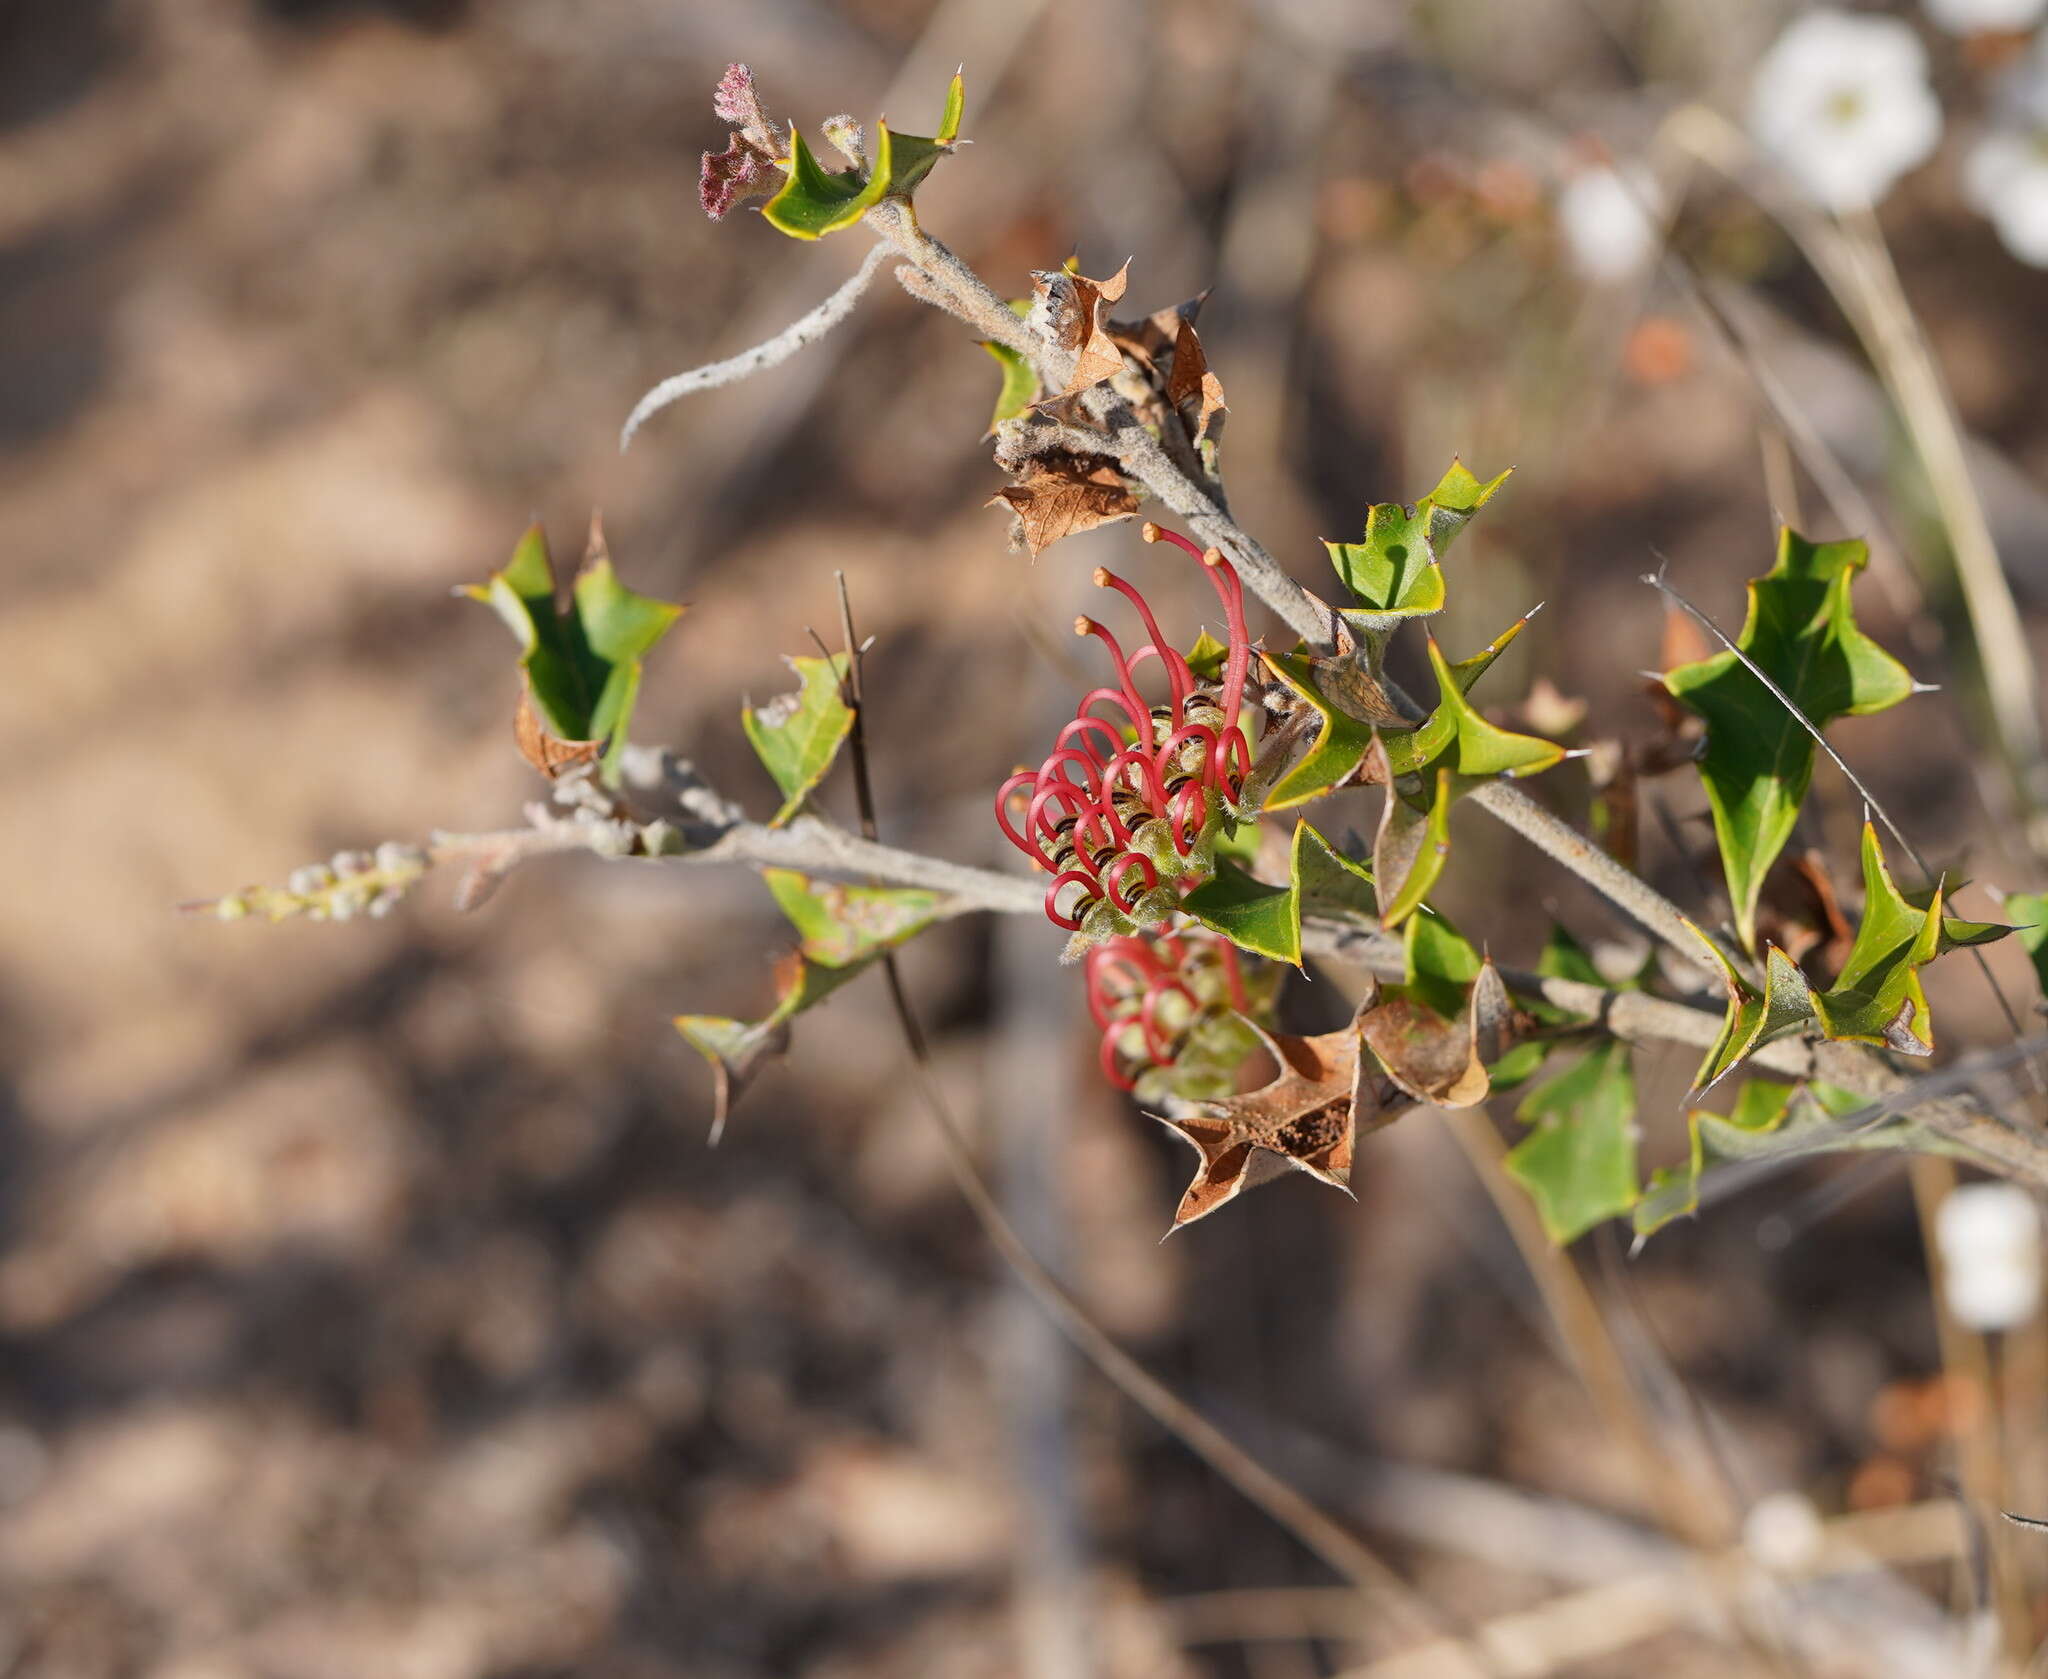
(816, 846)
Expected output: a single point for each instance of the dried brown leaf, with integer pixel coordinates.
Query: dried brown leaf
(1073, 308)
(1441, 1061)
(1308, 1118)
(1191, 386)
(546, 752)
(1058, 494)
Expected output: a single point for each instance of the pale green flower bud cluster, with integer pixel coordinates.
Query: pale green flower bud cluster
(348, 884)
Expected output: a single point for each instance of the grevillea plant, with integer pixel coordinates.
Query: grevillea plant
(1163, 826)
(1126, 809)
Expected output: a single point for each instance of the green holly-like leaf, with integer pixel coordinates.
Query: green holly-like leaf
(842, 926)
(1563, 957)
(1758, 760)
(1755, 1017)
(1428, 770)
(1579, 1163)
(1412, 846)
(1266, 920)
(843, 930)
(1249, 913)
(815, 201)
(797, 735)
(1340, 744)
(1456, 737)
(1020, 387)
(1394, 571)
(1207, 657)
(1328, 883)
(582, 664)
(1342, 740)
(2030, 911)
(1876, 999)
(1771, 1120)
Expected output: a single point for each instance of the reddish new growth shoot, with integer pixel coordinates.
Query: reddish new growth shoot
(1162, 985)
(1123, 801)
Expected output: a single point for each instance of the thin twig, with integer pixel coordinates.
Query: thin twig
(805, 329)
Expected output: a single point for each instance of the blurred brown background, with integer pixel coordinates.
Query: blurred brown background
(370, 1302)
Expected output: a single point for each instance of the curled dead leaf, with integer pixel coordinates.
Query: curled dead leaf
(1072, 309)
(1443, 1062)
(1059, 494)
(546, 752)
(1192, 391)
(1308, 1118)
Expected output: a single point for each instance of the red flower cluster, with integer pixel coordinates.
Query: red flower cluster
(1128, 804)
(1164, 986)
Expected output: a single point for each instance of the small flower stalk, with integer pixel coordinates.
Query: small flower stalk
(1126, 809)
(348, 884)
(1172, 1008)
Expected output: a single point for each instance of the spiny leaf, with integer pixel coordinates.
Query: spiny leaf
(1326, 882)
(1754, 1018)
(1458, 738)
(1758, 761)
(1412, 846)
(1428, 770)
(1073, 309)
(1341, 741)
(1393, 572)
(1252, 915)
(843, 930)
(1308, 1117)
(1876, 999)
(2030, 911)
(1266, 920)
(582, 665)
(1347, 701)
(1579, 1163)
(842, 925)
(1770, 1120)
(1020, 387)
(914, 154)
(797, 735)
(815, 201)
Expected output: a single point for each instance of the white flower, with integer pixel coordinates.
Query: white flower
(2006, 173)
(1842, 103)
(2006, 176)
(1989, 1235)
(1983, 17)
(1609, 222)
(1783, 1532)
